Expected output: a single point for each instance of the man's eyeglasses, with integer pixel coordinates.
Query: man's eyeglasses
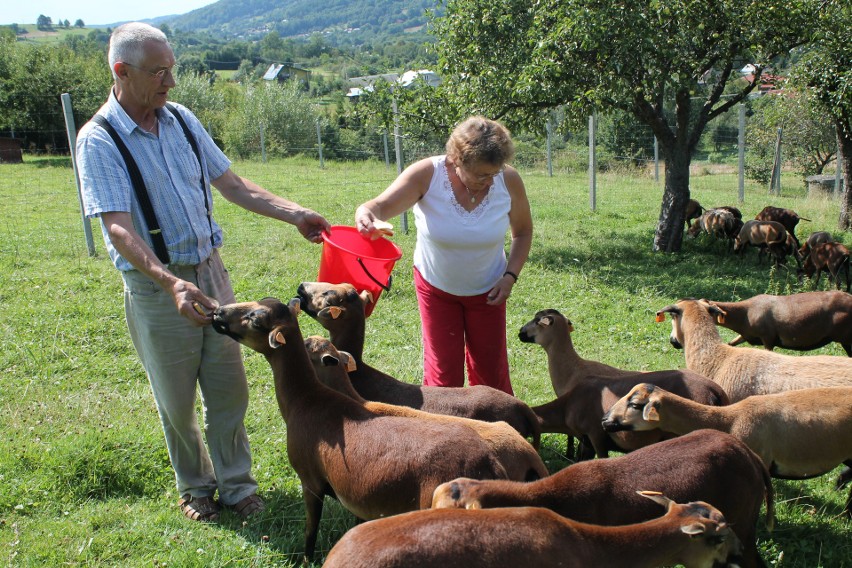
(159, 73)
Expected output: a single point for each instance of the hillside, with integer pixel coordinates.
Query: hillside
(251, 19)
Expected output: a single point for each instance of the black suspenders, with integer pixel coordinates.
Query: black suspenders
(139, 184)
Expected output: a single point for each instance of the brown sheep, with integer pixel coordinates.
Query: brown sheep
(833, 257)
(517, 456)
(786, 217)
(814, 239)
(719, 223)
(693, 211)
(340, 310)
(374, 465)
(746, 372)
(695, 535)
(705, 465)
(797, 434)
(587, 388)
(804, 321)
(766, 236)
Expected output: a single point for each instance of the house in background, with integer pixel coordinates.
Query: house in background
(361, 85)
(769, 84)
(286, 72)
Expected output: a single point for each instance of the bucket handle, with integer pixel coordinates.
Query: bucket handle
(373, 278)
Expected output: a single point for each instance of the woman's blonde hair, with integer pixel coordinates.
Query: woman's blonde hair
(480, 140)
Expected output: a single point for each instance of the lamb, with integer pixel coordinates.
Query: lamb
(705, 465)
(517, 456)
(375, 465)
(797, 434)
(340, 310)
(768, 236)
(833, 257)
(787, 217)
(695, 535)
(587, 388)
(804, 321)
(746, 372)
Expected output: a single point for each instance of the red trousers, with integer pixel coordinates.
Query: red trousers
(459, 332)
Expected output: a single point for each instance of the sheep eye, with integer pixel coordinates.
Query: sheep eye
(635, 405)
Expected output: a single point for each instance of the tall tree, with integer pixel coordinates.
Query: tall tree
(516, 58)
(826, 75)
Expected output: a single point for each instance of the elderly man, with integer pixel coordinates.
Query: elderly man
(144, 166)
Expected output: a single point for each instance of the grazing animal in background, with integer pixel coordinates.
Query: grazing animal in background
(374, 465)
(695, 535)
(768, 236)
(798, 434)
(746, 372)
(718, 223)
(832, 257)
(705, 465)
(814, 239)
(339, 308)
(693, 211)
(517, 456)
(786, 217)
(804, 321)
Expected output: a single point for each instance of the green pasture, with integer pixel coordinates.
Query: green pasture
(84, 475)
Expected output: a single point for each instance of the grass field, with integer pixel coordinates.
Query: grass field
(84, 475)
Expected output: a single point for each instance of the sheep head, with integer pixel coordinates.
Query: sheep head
(262, 326)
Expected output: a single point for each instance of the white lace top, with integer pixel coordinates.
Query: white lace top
(461, 252)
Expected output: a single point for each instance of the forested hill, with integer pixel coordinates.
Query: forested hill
(251, 19)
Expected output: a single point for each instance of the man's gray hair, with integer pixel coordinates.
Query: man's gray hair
(127, 43)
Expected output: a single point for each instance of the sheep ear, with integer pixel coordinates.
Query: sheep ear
(546, 321)
(349, 361)
(332, 312)
(295, 306)
(693, 529)
(367, 297)
(570, 327)
(329, 360)
(473, 505)
(661, 317)
(649, 413)
(658, 498)
(276, 338)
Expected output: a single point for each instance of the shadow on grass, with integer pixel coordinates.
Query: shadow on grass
(704, 268)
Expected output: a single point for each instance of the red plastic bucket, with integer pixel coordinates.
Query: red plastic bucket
(366, 264)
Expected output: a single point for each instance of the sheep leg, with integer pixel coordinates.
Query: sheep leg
(313, 512)
(569, 448)
(845, 475)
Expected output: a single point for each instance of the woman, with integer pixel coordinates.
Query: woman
(464, 202)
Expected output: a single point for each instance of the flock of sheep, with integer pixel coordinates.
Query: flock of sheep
(773, 232)
(453, 478)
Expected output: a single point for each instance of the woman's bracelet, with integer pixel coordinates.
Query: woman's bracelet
(512, 274)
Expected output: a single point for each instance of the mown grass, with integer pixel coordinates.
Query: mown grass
(84, 475)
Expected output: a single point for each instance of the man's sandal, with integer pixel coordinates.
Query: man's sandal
(204, 509)
(249, 506)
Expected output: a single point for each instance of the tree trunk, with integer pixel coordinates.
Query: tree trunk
(844, 156)
(669, 233)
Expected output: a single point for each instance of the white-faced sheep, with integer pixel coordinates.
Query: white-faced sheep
(339, 308)
(695, 535)
(374, 465)
(797, 434)
(705, 465)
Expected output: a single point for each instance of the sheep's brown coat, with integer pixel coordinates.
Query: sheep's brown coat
(705, 465)
(804, 321)
(375, 465)
(797, 434)
(340, 310)
(745, 372)
(694, 534)
(517, 456)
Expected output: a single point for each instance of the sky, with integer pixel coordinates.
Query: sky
(93, 12)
